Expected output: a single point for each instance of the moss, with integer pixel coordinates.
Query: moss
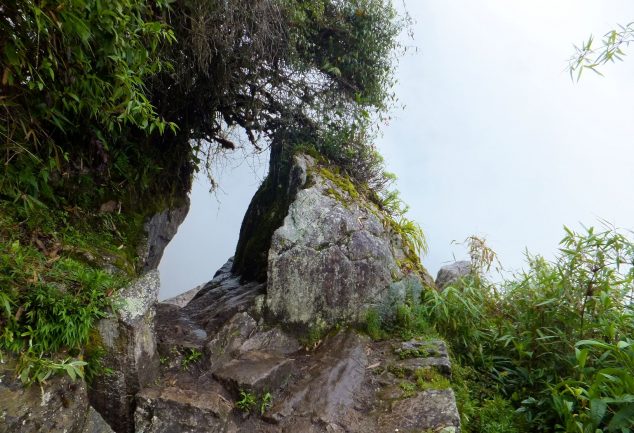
(409, 389)
(397, 371)
(430, 378)
(341, 181)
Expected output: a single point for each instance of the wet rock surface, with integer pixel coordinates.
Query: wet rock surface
(220, 299)
(344, 383)
(431, 410)
(330, 379)
(255, 372)
(60, 407)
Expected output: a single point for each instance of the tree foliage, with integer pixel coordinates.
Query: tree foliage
(73, 85)
(317, 68)
(120, 101)
(108, 95)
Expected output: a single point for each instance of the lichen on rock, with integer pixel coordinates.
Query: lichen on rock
(334, 256)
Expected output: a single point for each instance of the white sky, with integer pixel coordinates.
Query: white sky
(495, 139)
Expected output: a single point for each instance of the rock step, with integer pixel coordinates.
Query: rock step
(256, 372)
(174, 328)
(431, 410)
(333, 376)
(411, 365)
(177, 409)
(417, 354)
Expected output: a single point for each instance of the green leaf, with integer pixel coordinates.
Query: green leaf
(582, 356)
(624, 418)
(598, 408)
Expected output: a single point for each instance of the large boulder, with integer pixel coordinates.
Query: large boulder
(129, 339)
(128, 335)
(452, 273)
(335, 254)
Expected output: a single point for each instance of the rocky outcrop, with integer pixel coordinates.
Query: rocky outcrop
(59, 407)
(129, 339)
(335, 254)
(218, 350)
(450, 274)
(159, 230)
(128, 335)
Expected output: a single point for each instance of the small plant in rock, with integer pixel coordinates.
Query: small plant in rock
(430, 378)
(247, 401)
(265, 402)
(190, 357)
(409, 389)
(373, 324)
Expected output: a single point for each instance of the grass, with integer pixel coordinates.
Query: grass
(248, 401)
(55, 287)
(191, 356)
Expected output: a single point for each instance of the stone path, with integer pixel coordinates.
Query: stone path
(213, 349)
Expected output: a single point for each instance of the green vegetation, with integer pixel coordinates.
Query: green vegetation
(191, 356)
(101, 102)
(589, 57)
(248, 401)
(430, 378)
(556, 341)
(265, 402)
(549, 350)
(55, 287)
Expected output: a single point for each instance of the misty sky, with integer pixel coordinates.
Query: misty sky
(494, 140)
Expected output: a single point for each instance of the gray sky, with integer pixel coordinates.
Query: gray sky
(495, 139)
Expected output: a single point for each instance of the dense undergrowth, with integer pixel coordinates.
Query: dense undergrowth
(550, 350)
(59, 273)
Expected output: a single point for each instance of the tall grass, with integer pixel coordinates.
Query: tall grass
(556, 341)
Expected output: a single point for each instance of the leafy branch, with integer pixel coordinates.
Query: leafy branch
(589, 56)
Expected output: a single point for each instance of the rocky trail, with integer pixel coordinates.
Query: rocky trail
(213, 348)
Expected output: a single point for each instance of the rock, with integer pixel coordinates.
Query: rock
(222, 274)
(255, 371)
(159, 231)
(228, 340)
(59, 406)
(431, 410)
(333, 257)
(129, 340)
(221, 299)
(334, 375)
(176, 334)
(409, 366)
(176, 410)
(95, 423)
(184, 298)
(267, 210)
(424, 348)
(416, 354)
(452, 273)
(273, 341)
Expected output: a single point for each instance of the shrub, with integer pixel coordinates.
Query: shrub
(555, 340)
